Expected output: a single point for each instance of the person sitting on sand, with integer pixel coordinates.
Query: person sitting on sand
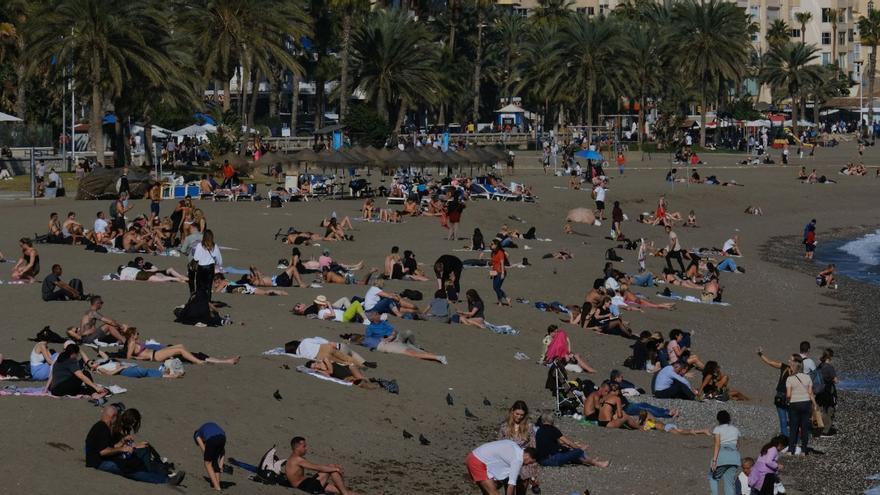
(731, 246)
(438, 308)
(676, 350)
(95, 326)
(110, 441)
(27, 267)
(55, 289)
(715, 384)
(134, 349)
(411, 270)
(670, 383)
(381, 336)
(475, 314)
(825, 278)
(367, 208)
(222, 285)
(753, 210)
(328, 478)
(68, 378)
(319, 348)
(71, 230)
(335, 232)
(691, 220)
(347, 373)
(41, 360)
(600, 319)
(381, 301)
(557, 346)
(802, 175)
(518, 428)
(554, 449)
(611, 413)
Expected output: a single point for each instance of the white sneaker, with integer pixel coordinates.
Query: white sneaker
(442, 359)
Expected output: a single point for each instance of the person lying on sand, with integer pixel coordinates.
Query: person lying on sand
(343, 310)
(223, 286)
(107, 366)
(328, 478)
(296, 237)
(753, 210)
(381, 336)
(347, 373)
(135, 349)
(131, 274)
(340, 276)
(648, 424)
(319, 348)
(631, 298)
(562, 254)
(557, 450)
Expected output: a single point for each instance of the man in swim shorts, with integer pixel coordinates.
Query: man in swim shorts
(327, 478)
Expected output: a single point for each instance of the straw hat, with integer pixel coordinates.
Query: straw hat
(322, 301)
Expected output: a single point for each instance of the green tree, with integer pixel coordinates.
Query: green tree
(791, 67)
(552, 12)
(102, 40)
(509, 32)
(803, 18)
(395, 60)
(543, 83)
(711, 42)
(778, 33)
(484, 11)
(869, 35)
(593, 45)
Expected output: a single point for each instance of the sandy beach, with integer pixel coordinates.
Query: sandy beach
(773, 304)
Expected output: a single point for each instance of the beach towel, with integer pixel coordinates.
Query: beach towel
(690, 299)
(309, 371)
(13, 390)
(279, 351)
(501, 329)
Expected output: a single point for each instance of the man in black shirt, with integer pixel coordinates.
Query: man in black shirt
(106, 455)
(554, 449)
(54, 289)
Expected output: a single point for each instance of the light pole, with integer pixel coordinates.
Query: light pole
(861, 106)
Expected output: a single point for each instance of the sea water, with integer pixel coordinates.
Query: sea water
(858, 259)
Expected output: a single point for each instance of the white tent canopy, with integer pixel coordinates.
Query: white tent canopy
(801, 123)
(758, 123)
(196, 130)
(5, 117)
(156, 131)
(510, 109)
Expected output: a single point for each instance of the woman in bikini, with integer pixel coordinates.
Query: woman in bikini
(611, 413)
(28, 266)
(630, 297)
(134, 349)
(347, 373)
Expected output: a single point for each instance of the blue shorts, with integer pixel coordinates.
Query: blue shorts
(154, 208)
(385, 305)
(562, 458)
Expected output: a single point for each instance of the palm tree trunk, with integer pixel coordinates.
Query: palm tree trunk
(273, 96)
(817, 109)
(703, 113)
(242, 101)
(227, 103)
(294, 103)
(834, 47)
(478, 62)
(343, 76)
(401, 114)
(441, 115)
(589, 119)
(252, 110)
(118, 148)
(871, 74)
(794, 115)
(148, 140)
(641, 116)
(96, 132)
(803, 32)
(20, 96)
(319, 103)
(454, 18)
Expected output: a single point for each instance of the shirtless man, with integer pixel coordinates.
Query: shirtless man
(327, 479)
(95, 326)
(155, 195)
(71, 229)
(392, 261)
(55, 236)
(593, 402)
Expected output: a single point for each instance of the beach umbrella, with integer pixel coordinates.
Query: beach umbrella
(589, 155)
(5, 117)
(581, 215)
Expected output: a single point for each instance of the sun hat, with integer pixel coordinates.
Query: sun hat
(322, 300)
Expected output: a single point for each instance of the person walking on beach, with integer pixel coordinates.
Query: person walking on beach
(673, 250)
(725, 455)
(801, 401)
(810, 239)
(499, 272)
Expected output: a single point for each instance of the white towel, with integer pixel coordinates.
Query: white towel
(279, 351)
(309, 371)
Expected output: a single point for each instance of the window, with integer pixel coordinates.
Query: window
(826, 58)
(772, 14)
(603, 9)
(850, 36)
(581, 10)
(841, 60)
(754, 38)
(521, 12)
(795, 34)
(591, 11)
(826, 38)
(841, 38)
(826, 14)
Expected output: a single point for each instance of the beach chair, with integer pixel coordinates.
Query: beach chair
(499, 195)
(222, 195)
(479, 191)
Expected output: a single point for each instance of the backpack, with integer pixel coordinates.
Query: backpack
(270, 471)
(412, 295)
(275, 202)
(818, 381)
(611, 255)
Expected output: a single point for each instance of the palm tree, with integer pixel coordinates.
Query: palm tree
(552, 12)
(102, 41)
(644, 54)
(544, 82)
(482, 7)
(348, 9)
(791, 67)
(834, 16)
(510, 33)
(395, 63)
(594, 43)
(778, 33)
(803, 18)
(829, 85)
(712, 42)
(12, 41)
(869, 35)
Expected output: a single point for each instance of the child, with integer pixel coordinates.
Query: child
(212, 440)
(692, 220)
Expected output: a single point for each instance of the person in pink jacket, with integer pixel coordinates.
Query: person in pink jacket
(764, 474)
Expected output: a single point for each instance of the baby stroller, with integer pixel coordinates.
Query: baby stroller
(568, 394)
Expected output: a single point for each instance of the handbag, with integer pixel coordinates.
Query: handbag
(780, 400)
(817, 419)
(492, 273)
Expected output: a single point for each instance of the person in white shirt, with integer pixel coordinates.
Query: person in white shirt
(725, 455)
(319, 348)
(809, 364)
(742, 480)
(101, 225)
(498, 461)
(731, 246)
(206, 256)
(599, 191)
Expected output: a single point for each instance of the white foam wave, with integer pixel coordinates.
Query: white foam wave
(866, 249)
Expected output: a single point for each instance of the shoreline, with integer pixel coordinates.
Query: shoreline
(849, 459)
